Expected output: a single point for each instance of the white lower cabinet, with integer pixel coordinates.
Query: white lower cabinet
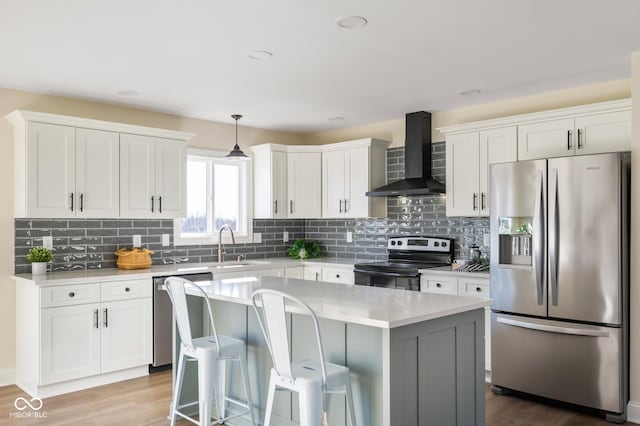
(295, 272)
(313, 273)
(330, 274)
(463, 286)
(82, 332)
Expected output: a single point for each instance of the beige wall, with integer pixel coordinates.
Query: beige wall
(635, 230)
(393, 130)
(209, 135)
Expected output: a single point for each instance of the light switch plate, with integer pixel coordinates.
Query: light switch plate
(165, 240)
(47, 242)
(485, 240)
(285, 236)
(349, 236)
(257, 237)
(137, 240)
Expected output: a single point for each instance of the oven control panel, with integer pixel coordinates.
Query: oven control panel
(432, 244)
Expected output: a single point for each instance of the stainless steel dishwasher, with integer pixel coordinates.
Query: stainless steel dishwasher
(163, 318)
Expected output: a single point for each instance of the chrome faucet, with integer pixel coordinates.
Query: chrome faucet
(233, 240)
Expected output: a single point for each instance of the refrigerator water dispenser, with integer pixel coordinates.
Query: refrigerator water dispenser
(515, 241)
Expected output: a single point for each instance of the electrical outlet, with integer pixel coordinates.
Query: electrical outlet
(47, 242)
(137, 240)
(285, 236)
(485, 240)
(165, 240)
(349, 236)
(257, 237)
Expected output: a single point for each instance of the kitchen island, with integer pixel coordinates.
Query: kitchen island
(415, 358)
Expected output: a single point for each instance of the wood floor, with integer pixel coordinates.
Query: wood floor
(145, 401)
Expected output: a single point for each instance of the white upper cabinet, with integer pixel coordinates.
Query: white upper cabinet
(152, 177)
(349, 170)
(67, 172)
(71, 167)
(287, 181)
(468, 158)
(304, 184)
(581, 135)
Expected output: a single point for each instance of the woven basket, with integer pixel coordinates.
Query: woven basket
(134, 259)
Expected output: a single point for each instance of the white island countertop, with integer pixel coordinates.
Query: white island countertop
(369, 306)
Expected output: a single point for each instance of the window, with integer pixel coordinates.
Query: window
(218, 193)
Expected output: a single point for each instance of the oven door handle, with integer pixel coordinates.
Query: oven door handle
(388, 274)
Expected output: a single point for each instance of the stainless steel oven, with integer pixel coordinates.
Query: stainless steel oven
(407, 255)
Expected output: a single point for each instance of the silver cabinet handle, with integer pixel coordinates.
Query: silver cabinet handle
(152, 203)
(290, 206)
(317, 276)
(72, 201)
(106, 317)
(275, 206)
(538, 231)
(160, 204)
(340, 202)
(569, 140)
(483, 201)
(553, 328)
(81, 201)
(345, 205)
(95, 318)
(554, 235)
(579, 142)
(475, 201)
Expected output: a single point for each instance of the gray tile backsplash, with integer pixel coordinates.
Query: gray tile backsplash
(91, 243)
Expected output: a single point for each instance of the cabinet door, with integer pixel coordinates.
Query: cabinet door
(279, 189)
(97, 163)
(313, 273)
(304, 188)
(171, 178)
(137, 176)
(295, 272)
(547, 139)
(126, 337)
(601, 133)
(463, 173)
(333, 183)
(338, 275)
(356, 203)
(496, 146)
(51, 172)
(70, 343)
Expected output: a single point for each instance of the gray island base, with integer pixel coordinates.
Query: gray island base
(415, 358)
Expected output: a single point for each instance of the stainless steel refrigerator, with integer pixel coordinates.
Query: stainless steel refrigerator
(560, 280)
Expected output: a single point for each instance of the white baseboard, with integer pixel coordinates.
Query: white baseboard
(633, 412)
(7, 377)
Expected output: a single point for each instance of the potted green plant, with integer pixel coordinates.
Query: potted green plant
(304, 249)
(39, 257)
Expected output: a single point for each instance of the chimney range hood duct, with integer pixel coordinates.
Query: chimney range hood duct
(417, 162)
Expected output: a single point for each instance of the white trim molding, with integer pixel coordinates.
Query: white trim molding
(633, 412)
(7, 377)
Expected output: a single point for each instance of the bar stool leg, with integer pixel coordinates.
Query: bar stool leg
(247, 387)
(270, 398)
(205, 390)
(310, 403)
(220, 387)
(350, 406)
(178, 389)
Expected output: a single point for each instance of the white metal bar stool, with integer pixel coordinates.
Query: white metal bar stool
(211, 353)
(313, 380)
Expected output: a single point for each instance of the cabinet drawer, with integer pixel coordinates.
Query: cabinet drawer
(68, 295)
(473, 287)
(130, 289)
(438, 284)
(338, 275)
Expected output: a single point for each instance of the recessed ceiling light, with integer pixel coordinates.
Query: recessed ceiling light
(470, 92)
(128, 92)
(351, 22)
(336, 118)
(260, 54)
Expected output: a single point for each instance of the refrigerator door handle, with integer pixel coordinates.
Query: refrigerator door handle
(538, 229)
(553, 328)
(554, 235)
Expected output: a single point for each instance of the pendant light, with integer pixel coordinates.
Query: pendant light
(236, 153)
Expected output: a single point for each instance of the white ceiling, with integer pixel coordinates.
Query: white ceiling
(191, 57)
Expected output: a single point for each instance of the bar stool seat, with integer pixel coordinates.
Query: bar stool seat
(211, 353)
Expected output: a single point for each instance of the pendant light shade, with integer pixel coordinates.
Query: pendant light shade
(236, 153)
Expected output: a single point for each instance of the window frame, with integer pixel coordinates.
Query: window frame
(246, 195)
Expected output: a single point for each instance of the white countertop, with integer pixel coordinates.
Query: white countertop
(370, 306)
(114, 274)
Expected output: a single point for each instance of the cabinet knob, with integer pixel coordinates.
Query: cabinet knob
(127, 289)
(478, 289)
(337, 275)
(438, 285)
(71, 294)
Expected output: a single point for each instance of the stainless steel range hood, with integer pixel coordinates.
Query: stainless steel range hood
(417, 161)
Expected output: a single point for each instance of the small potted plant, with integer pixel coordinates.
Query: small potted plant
(39, 257)
(304, 249)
